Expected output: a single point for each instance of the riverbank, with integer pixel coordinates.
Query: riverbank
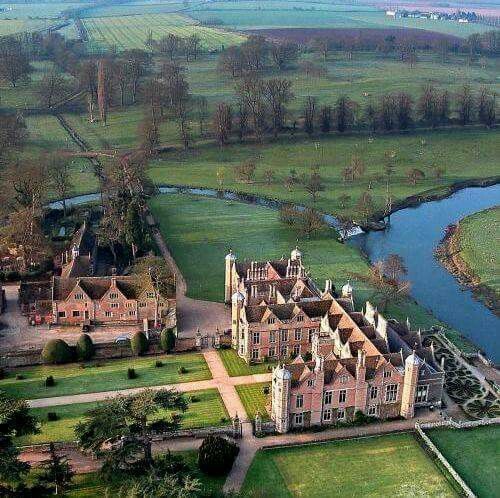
(469, 252)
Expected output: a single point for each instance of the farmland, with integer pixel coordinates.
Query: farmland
(129, 32)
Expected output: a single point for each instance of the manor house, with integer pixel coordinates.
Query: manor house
(336, 361)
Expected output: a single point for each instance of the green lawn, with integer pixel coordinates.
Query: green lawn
(479, 240)
(209, 410)
(392, 465)
(463, 154)
(474, 454)
(237, 367)
(110, 376)
(254, 400)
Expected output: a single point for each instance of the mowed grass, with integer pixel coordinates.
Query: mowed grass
(111, 375)
(254, 400)
(474, 454)
(236, 366)
(392, 465)
(479, 240)
(209, 410)
(129, 32)
(462, 154)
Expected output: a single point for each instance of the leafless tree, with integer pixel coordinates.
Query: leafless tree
(222, 123)
(278, 93)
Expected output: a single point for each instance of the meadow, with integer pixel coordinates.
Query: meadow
(16, 26)
(208, 410)
(339, 468)
(102, 376)
(474, 454)
(129, 32)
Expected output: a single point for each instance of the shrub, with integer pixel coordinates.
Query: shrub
(167, 340)
(139, 343)
(49, 381)
(19, 377)
(182, 370)
(57, 351)
(158, 363)
(52, 416)
(216, 455)
(84, 348)
(2, 373)
(131, 373)
(265, 390)
(194, 399)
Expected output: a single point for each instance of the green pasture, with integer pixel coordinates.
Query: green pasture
(207, 411)
(127, 32)
(479, 240)
(109, 375)
(34, 10)
(474, 454)
(254, 400)
(236, 366)
(392, 465)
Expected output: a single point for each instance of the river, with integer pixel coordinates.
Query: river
(414, 233)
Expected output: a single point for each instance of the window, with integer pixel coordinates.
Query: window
(298, 419)
(108, 314)
(61, 314)
(272, 336)
(284, 351)
(256, 337)
(299, 403)
(255, 354)
(284, 335)
(343, 379)
(298, 334)
(79, 296)
(387, 374)
(327, 415)
(113, 295)
(342, 395)
(341, 414)
(373, 392)
(391, 393)
(129, 305)
(296, 349)
(272, 352)
(150, 295)
(328, 397)
(76, 313)
(114, 305)
(310, 383)
(142, 305)
(271, 320)
(131, 313)
(372, 411)
(300, 318)
(422, 393)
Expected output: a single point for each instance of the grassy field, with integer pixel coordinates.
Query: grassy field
(127, 32)
(479, 240)
(463, 154)
(474, 454)
(260, 14)
(17, 26)
(236, 366)
(110, 375)
(209, 410)
(254, 400)
(401, 468)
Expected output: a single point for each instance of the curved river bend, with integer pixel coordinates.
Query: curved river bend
(414, 233)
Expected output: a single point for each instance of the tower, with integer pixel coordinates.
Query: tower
(228, 285)
(237, 302)
(280, 398)
(410, 386)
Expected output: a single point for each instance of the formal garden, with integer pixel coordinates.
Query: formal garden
(256, 399)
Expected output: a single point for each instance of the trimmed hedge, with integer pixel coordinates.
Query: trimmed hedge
(139, 343)
(167, 340)
(216, 455)
(84, 348)
(57, 351)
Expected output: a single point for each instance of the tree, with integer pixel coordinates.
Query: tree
(386, 112)
(254, 52)
(84, 348)
(344, 113)
(414, 175)
(365, 206)
(148, 134)
(344, 199)
(325, 119)
(169, 45)
(13, 132)
(139, 343)
(51, 88)
(443, 107)
(15, 421)
(157, 485)
(404, 106)
(231, 61)
(201, 109)
(245, 172)
(167, 340)
(121, 429)
(314, 183)
(269, 176)
(138, 62)
(56, 471)
(486, 107)
(223, 123)
(251, 93)
(309, 115)
(427, 106)
(60, 178)
(345, 225)
(465, 103)
(216, 455)
(394, 267)
(277, 94)
(121, 76)
(305, 222)
(283, 54)
(192, 46)
(57, 351)
(321, 45)
(370, 116)
(14, 61)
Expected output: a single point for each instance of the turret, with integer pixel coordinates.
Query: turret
(228, 286)
(280, 398)
(347, 290)
(412, 365)
(296, 255)
(237, 302)
(75, 252)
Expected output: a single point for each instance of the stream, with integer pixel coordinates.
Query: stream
(413, 233)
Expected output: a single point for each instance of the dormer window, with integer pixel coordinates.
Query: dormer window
(79, 296)
(343, 379)
(310, 383)
(150, 295)
(300, 318)
(271, 320)
(387, 374)
(113, 295)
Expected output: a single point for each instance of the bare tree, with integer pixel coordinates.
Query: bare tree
(52, 87)
(313, 183)
(325, 119)
(394, 267)
(486, 107)
(223, 123)
(344, 113)
(60, 178)
(414, 175)
(465, 102)
(283, 53)
(245, 172)
(278, 93)
(251, 92)
(201, 109)
(365, 206)
(309, 115)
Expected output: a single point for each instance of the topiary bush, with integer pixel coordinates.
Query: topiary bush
(158, 364)
(216, 455)
(84, 348)
(20, 377)
(131, 373)
(182, 370)
(52, 416)
(139, 343)
(49, 381)
(167, 340)
(57, 351)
